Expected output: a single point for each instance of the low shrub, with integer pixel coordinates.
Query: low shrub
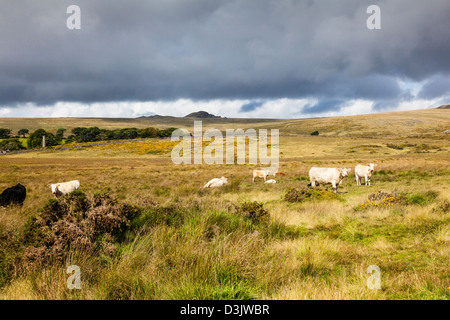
(253, 210)
(382, 199)
(296, 195)
(75, 222)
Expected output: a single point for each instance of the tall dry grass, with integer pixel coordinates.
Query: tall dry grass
(190, 243)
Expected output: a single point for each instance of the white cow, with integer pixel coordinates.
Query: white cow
(328, 175)
(364, 172)
(271, 181)
(262, 174)
(216, 182)
(63, 188)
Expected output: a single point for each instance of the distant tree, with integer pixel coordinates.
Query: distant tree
(315, 133)
(166, 132)
(149, 133)
(35, 139)
(130, 133)
(23, 132)
(60, 134)
(86, 134)
(70, 139)
(4, 133)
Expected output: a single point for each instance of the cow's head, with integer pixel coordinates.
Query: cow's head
(345, 172)
(372, 167)
(54, 188)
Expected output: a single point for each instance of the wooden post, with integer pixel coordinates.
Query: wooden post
(43, 141)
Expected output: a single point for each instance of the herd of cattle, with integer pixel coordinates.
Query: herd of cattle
(317, 176)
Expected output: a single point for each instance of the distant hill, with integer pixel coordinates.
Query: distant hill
(445, 106)
(146, 115)
(201, 114)
(400, 124)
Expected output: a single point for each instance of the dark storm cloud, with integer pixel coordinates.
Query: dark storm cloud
(235, 49)
(435, 87)
(324, 106)
(251, 106)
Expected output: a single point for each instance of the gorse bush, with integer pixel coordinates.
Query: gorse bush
(296, 195)
(253, 210)
(76, 222)
(382, 199)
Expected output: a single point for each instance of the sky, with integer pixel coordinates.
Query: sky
(232, 58)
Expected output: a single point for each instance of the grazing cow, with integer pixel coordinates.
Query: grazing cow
(63, 188)
(13, 195)
(270, 181)
(260, 174)
(328, 175)
(216, 182)
(364, 172)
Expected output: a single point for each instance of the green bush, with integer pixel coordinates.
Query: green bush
(12, 144)
(296, 195)
(253, 210)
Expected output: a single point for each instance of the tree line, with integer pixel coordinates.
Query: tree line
(79, 134)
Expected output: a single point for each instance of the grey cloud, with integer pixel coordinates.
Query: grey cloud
(324, 106)
(235, 49)
(251, 106)
(384, 105)
(435, 87)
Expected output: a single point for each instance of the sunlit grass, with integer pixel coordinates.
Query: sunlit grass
(192, 243)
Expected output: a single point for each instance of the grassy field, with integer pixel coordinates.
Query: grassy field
(242, 241)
